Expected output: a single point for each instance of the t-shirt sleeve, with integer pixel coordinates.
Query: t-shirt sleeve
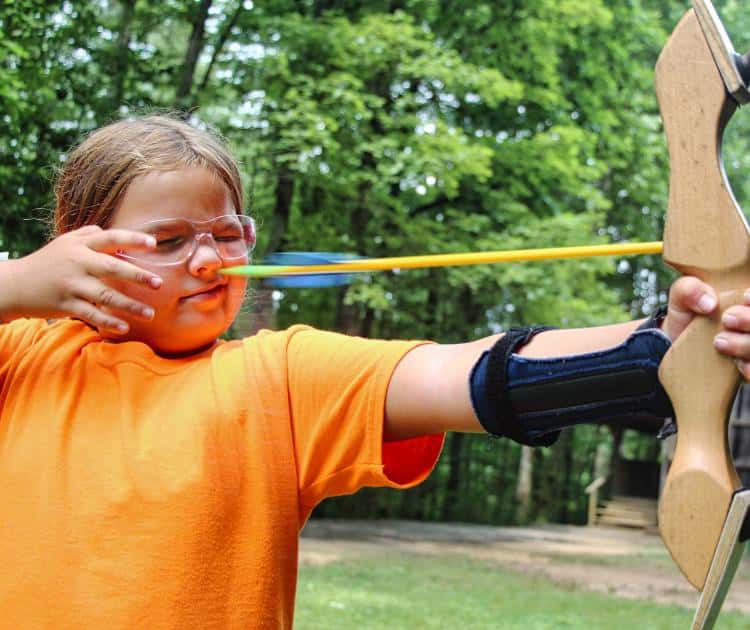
(15, 338)
(337, 389)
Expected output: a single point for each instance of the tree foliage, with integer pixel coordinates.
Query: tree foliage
(390, 128)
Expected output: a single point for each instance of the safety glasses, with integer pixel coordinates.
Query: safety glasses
(232, 236)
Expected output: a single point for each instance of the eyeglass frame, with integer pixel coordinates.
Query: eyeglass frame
(198, 235)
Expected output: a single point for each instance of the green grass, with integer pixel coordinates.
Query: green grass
(415, 592)
(653, 559)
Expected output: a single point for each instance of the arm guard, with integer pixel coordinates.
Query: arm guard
(531, 400)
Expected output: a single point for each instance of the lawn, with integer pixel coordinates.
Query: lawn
(413, 592)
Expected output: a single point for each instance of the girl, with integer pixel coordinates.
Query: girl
(152, 476)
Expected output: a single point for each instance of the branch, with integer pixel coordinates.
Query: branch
(433, 205)
(226, 31)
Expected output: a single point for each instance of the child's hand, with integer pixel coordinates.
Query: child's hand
(690, 296)
(67, 277)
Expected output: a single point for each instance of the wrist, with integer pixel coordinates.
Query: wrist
(10, 280)
(656, 320)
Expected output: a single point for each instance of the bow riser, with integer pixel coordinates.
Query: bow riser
(706, 235)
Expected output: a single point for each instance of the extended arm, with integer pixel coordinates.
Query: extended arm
(429, 390)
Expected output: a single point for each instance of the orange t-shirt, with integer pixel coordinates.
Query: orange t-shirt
(144, 492)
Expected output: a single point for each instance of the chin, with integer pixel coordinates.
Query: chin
(176, 346)
(190, 336)
(182, 331)
(184, 351)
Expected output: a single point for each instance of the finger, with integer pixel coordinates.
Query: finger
(736, 318)
(733, 344)
(744, 368)
(109, 241)
(107, 266)
(110, 299)
(91, 314)
(689, 295)
(86, 230)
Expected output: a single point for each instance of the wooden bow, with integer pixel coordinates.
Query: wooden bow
(699, 85)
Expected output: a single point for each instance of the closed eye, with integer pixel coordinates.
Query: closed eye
(170, 243)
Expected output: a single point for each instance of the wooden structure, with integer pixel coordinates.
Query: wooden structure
(629, 511)
(633, 486)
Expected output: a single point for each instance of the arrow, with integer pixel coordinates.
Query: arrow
(447, 260)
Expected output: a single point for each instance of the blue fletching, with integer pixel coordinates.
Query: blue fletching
(314, 280)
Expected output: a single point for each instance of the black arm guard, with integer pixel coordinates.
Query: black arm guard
(531, 400)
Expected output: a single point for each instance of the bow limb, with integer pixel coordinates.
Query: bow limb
(706, 235)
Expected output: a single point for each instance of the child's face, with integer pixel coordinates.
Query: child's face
(195, 304)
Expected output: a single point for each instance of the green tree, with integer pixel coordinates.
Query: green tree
(389, 128)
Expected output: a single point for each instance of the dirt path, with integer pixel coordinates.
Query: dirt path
(618, 562)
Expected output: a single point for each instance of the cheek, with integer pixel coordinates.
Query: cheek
(236, 294)
(157, 299)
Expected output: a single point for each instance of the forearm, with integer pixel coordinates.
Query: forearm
(10, 280)
(429, 391)
(553, 343)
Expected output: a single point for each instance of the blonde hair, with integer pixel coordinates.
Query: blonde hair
(98, 171)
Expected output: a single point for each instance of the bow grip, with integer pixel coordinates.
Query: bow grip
(706, 235)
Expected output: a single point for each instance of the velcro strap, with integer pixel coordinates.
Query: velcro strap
(490, 394)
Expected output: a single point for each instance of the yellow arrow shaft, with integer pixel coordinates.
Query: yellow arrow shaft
(473, 258)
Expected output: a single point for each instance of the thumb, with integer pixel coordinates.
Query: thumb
(688, 297)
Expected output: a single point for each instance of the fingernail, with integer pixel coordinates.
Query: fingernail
(121, 327)
(148, 312)
(149, 240)
(706, 304)
(721, 343)
(155, 282)
(730, 321)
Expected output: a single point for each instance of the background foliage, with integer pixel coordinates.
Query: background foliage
(383, 128)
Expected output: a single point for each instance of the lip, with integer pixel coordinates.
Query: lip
(208, 293)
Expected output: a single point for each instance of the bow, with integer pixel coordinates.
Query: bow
(700, 82)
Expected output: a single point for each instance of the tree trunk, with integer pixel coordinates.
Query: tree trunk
(565, 490)
(524, 485)
(183, 97)
(504, 460)
(614, 463)
(450, 491)
(347, 320)
(601, 461)
(282, 208)
(120, 61)
(555, 475)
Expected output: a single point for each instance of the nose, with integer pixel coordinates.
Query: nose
(205, 258)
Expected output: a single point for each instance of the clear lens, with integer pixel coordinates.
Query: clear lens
(174, 238)
(232, 236)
